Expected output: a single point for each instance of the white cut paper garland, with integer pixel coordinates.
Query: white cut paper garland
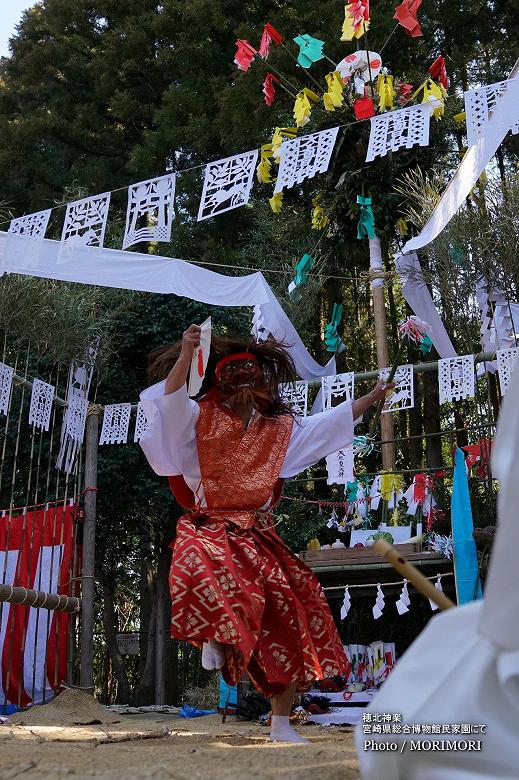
(302, 158)
(141, 423)
(116, 421)
(6, 384)
(75, 419)
(506, 360)
(346, 603)
(31, 226)
(296, 396)
(339, 386)
(438, 586)
(150, 201)
(402, 396)
(456, 378)
(227, 184)
(402, 605)
(479, 104)
(40, 409)
(403, 128)
(378, 607)
(85, 221)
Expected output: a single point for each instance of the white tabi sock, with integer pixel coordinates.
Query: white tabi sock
(213, 656)
(282, 731)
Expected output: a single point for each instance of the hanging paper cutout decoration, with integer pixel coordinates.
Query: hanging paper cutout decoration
(434, 95)
(269, 88)
(419, 496)
(6, 384)
(199, 359)
(363, 65)
(40, 409)
(406, 16)
(245, 53)
(341, 386)
(332, 340)
(269, 36)
(227, 184)
(438, 586)
(404, 601)
(303, 268)
(404, 128)
(303, 106)
(116, 421)
(366, 223)
(32, 225)
(356, 20)
(319, 219)
(339, 466)
(456, 378)
(302, 158)
(405, 92)
(506, 360)
(386, 92)
(85, 221)
(263, 171)
(479, 105)
(310, 50)
(364, 108)
(141, 423)
(295, 395)
(276, 202)
(333, 98)
(151, 202)
(74, 420)
(438, 71)
(402, 396)
(379, 604)
(346, 604)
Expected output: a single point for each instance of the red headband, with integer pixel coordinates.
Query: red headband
(230, 359)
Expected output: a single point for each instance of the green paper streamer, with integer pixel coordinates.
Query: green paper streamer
(366, 223)
(310, 50)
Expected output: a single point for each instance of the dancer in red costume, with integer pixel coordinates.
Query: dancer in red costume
(237, 590)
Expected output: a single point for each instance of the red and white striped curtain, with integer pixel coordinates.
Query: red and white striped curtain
(36, 551)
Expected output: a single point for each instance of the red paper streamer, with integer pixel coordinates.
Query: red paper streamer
(270, 35)
(245, 53)
(405, 14)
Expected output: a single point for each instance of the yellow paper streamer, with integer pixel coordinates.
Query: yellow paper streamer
(435, 94)
(319, 218)
(303, 106)
(389, 484)
(460, 118)
(386, 92)
(263, 173)
(348, 28)
(280, 134)
(276, 202)
(333, 98)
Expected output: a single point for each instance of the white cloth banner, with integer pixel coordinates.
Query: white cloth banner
(153, 273)
(419, 298)
(471, 167)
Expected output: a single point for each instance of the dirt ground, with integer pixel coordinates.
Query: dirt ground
(166, 747)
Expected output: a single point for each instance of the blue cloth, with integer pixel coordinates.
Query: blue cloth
(230, 691)
(468, 585)
(194, 712)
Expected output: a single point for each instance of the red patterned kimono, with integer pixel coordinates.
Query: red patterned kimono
(232, 578)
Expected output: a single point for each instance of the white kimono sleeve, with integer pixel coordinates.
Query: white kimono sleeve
(317, 436)
(171, 432)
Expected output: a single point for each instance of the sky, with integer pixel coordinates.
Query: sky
(10, 14)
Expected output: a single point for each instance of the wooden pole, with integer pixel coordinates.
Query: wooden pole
(89, 547)
(379, 313)
(411, 574)
(39, 599)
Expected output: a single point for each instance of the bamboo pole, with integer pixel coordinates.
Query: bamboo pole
(89, 530)
(379, 313)
(39, 599)
(411, 574)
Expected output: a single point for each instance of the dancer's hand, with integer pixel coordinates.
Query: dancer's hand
(381, 391)
(191, 340)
